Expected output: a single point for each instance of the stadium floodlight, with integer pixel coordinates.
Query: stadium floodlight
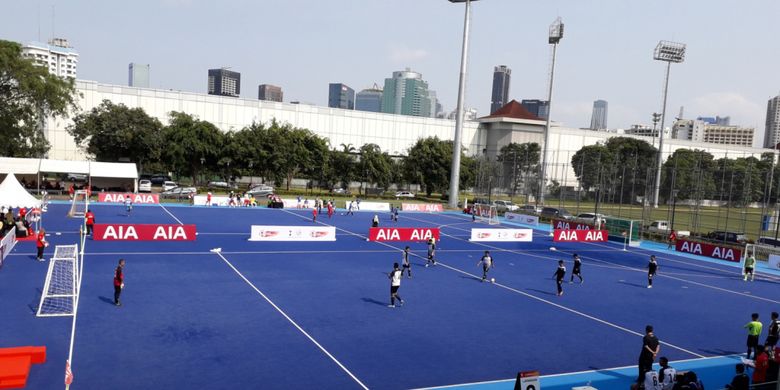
(455, 169)
(556, 34)
(669, 52)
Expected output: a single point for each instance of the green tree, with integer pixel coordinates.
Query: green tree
(114, 132)
(375, 166)
(690, 174)
(192, 147)
(520, 164)
(28, 95)
(429, 162)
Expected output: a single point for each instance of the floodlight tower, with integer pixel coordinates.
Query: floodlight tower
(670, 52)
(455, 169)
(555, 36)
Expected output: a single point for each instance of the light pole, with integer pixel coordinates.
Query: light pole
(556, 33)
(668, 52)
(656, 118)
(455, 169)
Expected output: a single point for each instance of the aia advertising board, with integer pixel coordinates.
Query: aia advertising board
(422, 207)
(402, 234)
(292, 233)
(117, 197)
(580, 235)
(562, 224)
(709, 250)
(143, 232)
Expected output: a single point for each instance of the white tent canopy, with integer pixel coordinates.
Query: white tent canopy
(64, 166)
(19, 166)
(118, 170)
(13, 194)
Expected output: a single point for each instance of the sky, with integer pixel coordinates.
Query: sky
(731, 69)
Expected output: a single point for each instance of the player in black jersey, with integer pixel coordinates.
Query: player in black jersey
(560, 272)
(652, 269)
(577, 269)
(431, 252)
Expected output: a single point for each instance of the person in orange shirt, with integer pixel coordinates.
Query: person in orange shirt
(672, 240)
(41, 243)
(90, 217)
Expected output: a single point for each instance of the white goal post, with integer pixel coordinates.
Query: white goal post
(486, 213)
(61, 288)
(79, 204)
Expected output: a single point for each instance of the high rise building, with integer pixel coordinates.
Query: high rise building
(701, 131)
(406, 93)
(224, 82)
(433, 103)
(539, 108)
(341, 96)
(58, 56)
(369, 99)
(598, 120)
(501, 77)
(772, 134)
(270, 92)
(138, 75)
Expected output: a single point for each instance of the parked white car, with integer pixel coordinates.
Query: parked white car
(144, 186)
(659, 227)
(505, 205)
(169, 185)
(404, 194)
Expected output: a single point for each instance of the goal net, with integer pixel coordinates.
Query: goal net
(486, 213)
(60, 290)
(78, 206)
(626, 229)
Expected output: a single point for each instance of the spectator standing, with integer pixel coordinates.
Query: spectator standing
(740, 381)
(773, 333)
(754, 331)
(672, 239)
(650, 349)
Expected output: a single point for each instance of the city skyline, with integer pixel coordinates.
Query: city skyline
(621, 70)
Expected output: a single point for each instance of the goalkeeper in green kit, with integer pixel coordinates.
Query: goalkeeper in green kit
(750, 264)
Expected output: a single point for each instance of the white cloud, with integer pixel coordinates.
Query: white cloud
(405, 54)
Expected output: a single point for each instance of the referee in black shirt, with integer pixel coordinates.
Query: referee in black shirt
(650, 349)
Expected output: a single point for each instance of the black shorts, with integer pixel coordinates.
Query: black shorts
(407, 266)
(752, 341)
(575, 271)
(748, 270)
(771, 340)
(394, 289)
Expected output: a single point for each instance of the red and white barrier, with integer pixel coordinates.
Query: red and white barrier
(422, 207)
(292, 233)
(118, 197)
(709, 250)
(143, 232)
(502, 235)
(402, 234)
(580, 235)
(562, 224)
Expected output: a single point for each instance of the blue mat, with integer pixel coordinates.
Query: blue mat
(287, 315)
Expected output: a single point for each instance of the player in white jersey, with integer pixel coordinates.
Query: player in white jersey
(395, 283)
(487, 264)
(651, 381)
(128, 204)
(666, 374)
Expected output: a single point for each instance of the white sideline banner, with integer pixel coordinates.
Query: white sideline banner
(502, 235)
(7, 245)
(292, 233)
(774, 262)
(218, 200)
(368, 206)
(522, 218)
